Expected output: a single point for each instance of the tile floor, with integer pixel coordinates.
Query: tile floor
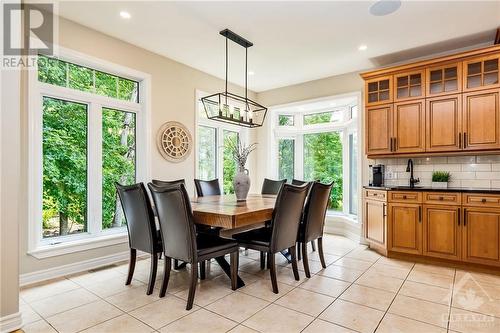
(359, 291)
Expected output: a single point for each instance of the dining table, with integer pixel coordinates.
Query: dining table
(226, 213)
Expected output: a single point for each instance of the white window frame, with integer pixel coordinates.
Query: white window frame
(297, 132)
(219, 127)
(94, 237)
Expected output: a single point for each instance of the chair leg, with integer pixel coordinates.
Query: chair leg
(202, 270)
(192, 286)
(313, 244)
(272, 264)
(152, 273)
(262, 260)
(234, 270)
(299, 256)
(294, 263)
(320, 251)
(176, 264)
(166, 275)
(305, 260)
(131, 266)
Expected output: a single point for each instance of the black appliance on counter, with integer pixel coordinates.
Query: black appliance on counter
(376, 175)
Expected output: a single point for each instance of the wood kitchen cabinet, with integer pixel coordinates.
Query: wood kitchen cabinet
(481, 118)
(405, 228)
(481, 72)
(379, 129)
(374, 209)
(444, 123)
(409, 85)
(481, 235)
(409, 127)
(379, 90)
(444, 79)
(441, 231)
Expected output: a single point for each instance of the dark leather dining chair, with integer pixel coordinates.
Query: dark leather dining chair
(181, 240)
(300, 183)
(272, 186)
(207, 187)
(283, 231)
(158, 182)
(142, 232)
(313, 221)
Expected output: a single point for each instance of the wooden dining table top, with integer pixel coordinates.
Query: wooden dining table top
(226, 212)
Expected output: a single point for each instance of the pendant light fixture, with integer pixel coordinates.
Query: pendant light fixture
(231, 108)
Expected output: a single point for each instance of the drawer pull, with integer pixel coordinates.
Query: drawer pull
(483, 200)
(404, 196)
(441, 198)
(375, 194)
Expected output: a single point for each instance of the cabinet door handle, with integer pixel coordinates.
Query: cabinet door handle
(465, 217)
(385, 210)
(458, 216)
(419, 214)
(465, 140)
(390, 142)
(460, 140)
(395, 144)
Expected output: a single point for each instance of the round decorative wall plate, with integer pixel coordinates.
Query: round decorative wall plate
(174, 141)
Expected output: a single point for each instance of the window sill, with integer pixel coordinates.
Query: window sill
(52, 250)
(339, 216)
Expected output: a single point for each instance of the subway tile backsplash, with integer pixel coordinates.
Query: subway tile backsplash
(466, 171)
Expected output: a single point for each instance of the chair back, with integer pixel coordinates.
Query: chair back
(272, 186)
(297, 182)
(139, 215)
(286, 216)
(207, 187)
(315, 210)
(176, 221)
(158, 182)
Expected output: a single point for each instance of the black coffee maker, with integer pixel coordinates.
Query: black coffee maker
(376, 175)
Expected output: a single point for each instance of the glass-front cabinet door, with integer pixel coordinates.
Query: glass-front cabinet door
(482, 72)
(409, 85)
(444, 79)
(379, 90)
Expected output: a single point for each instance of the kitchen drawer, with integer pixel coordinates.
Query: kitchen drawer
(442, 198)
(376, 195)
(405, 197)
(481, 200)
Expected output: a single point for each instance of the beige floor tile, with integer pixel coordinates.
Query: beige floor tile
(353, 263)
(111, 287)
(305, 301)
(162, 312)
(200, 321)
(341, 273)
(88, 278)
(284, 274)
(62, 302)
(132, 299)
(374, 298)
(263, 289)
(391, 271)
(397, 324)
(329, 258)
(321, 326)
(427, 312)
(83, 317)
(254, 268)
(242, 329)
(434, 269)
(238, 306)
(207, 292)
(426, 292)
(122, 324)
(395, 262)
(44, 290)
(476, 301)
(366, 255)
(325, 285)
(277, 319)
(468, 283)
(353, 316)
(471, 322)
(28, 314)
(479, 277)
(40, 326)
(438, 280)
(379, 281)
(314, 267)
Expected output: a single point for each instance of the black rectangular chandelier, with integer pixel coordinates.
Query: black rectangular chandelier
(231, 108)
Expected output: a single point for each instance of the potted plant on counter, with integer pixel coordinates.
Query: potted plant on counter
(440, 179)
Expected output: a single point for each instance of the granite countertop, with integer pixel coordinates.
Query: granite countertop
(428, 188)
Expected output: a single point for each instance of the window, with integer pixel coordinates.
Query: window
(213, 159)
(321, 144)
(89, 129)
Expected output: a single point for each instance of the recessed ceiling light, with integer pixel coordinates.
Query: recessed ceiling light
(125, 15)
(251, 73)
(362, 47)
(385, 7)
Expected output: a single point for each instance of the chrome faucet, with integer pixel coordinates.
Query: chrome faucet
(409, 168)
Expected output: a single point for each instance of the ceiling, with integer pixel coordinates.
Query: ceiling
(294, 41)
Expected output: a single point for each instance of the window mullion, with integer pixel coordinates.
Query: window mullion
(299, 157)
(94, 175)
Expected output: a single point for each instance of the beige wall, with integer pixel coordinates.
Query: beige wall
(172, 98)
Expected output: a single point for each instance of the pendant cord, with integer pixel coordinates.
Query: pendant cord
(226, 69)
(246, 74)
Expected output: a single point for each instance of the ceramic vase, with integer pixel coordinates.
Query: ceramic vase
(241, 183)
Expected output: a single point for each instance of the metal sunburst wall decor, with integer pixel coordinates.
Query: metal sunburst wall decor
(174, 141)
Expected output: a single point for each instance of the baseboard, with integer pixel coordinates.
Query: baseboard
(339, 226)
(77, 267)
(11, 322)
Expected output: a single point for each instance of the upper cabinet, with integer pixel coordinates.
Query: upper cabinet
(441, 106)
(481, 72)
(379, 90)
(409, 85)
(444, 79)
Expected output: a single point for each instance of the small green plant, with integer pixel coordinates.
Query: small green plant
(441, 176)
